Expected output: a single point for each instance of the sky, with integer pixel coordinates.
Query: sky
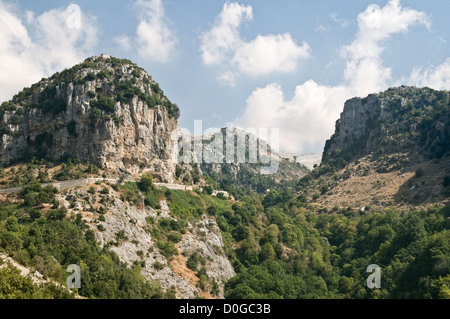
(287, 64)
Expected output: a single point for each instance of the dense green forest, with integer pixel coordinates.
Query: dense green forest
(278, 245)
(289, 252)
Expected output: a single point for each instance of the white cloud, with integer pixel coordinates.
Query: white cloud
(341, 21)
(222, 45)
(227, 78)
(308, 119)
(224, 35)
(123, 41)
(437, 78)
(321, 28)
(365, 70)
(305, 121)
(268, 54)
(154, 38)
(55, 45)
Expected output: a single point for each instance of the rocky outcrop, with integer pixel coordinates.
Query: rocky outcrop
(397, 120)
(126, 230)
(106, 111)
(354, 126)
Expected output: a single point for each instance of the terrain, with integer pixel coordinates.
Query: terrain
(88, 178)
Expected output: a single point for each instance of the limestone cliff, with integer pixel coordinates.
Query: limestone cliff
(403, 119)
(105, 110)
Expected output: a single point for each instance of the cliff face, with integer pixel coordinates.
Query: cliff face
(403, 119)
(106, 111)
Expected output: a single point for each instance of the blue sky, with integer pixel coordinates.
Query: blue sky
(286, 64)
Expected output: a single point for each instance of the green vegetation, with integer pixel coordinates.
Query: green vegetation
(146, 182)
(15, 286)
(72, 128)
(49, 102)
(418, 119)
(104, 103)
(49, 242)
(185, 205)
(285, 251)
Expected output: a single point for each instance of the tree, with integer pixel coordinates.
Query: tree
(267, 252)
(146, 182)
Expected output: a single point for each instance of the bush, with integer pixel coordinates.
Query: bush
(146, 182)
(419, 173)
(193, 261)
(90, 77)
(15, 120)
(104, 103)
(166, 248)
(174, 237)
(158, 266)
(72, 128)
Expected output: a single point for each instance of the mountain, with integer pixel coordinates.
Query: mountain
(253, 164)
(81, 153)
(390, 148)
(107, 111)
(403, 119)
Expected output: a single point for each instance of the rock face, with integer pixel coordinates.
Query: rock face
(402, 119)
(106, 111)
(355, 124)
(137, 245)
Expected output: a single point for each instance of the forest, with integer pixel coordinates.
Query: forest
(279, 246)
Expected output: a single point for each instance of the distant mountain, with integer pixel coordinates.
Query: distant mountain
(259, 168)
(308, 160)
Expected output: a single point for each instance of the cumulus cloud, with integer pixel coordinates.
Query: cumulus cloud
(222, 45)
(308, 119)
(435, 77)
(305, 121)
(223, 37)
(61, 38)
(154, 38)
(267, 54)
(365, 71)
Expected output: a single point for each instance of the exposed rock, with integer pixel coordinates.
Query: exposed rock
(136, 244)
(393, 121)
(131, 136)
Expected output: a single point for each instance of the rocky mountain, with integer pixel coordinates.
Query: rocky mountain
(107, 111)
(388, 149)
(253, 164)
(403, 119)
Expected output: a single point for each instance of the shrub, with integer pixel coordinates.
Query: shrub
(174, 237)
(15, 120)
(146, 182)
(90, 77)
(72, 128)
(192, 262)
(158, 266)
(166, 248)
(103, 74)
(419, 173)
(104, 103)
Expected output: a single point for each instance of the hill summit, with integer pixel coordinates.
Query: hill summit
(105, 110)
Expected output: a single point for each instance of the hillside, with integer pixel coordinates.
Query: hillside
(389, 149)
